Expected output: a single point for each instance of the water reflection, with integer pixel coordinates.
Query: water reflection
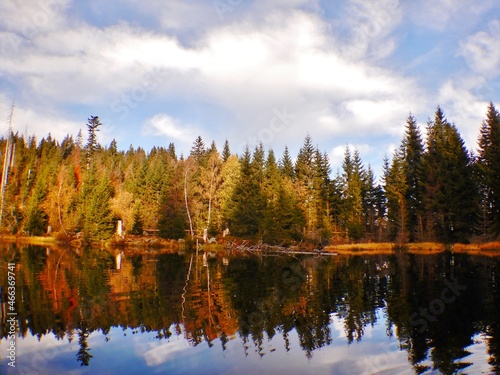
(394, 310)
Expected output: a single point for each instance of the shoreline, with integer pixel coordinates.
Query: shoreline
(386, 248)
(422, 248)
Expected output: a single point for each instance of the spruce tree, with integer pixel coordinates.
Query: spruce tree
(171, 151)
(304, 166)
(248, 201)
(354, 178)
(488, 167)
(396, 187)
(226, 152)
(98, 223)
(172, 221)
(137, 225)
(411, 152)
(198, 150)
(286, 164)
(92, 144)
(449, 189)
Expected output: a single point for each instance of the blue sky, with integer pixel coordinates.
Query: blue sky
(155, 72)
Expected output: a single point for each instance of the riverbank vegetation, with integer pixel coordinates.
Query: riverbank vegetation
(432, 190)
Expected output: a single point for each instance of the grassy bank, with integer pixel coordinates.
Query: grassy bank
(488, 249)
(387, 248)
(384, 248)
(28, 240)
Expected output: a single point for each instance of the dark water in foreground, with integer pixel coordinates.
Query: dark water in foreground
(102, 312)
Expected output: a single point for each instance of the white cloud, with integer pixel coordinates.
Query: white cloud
(338, 152)
(28, 120)
(28, 18)
(243, 66)
(447, 15)
(365, 29)
(464, 109)
(164, 125)
(482, 51)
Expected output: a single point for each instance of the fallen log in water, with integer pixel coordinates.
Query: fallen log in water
(264, 248)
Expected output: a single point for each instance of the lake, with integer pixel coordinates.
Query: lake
(108, 312)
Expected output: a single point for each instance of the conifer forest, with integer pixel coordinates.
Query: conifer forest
(432, 189)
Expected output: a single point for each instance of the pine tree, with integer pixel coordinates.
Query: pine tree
(369, 194)
(286, 164)
(92, 144)
(137, 225)
(321, 186)
(258, 163)
(226, 152)
(411, 152)
(198, 150)
(35, 222)
(171, 151)
(352, 196)
(488, 168)
(450, 193)
(396, 187)
(98, 223)
(248, 201)
(304, 178)
(304, 166)
(172, 221)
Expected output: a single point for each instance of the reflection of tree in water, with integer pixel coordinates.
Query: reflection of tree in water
(83, 356)
(493, 335)
(358, 293)
(253, 297)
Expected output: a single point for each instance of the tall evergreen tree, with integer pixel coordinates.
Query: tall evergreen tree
(411, 152)
(171, 151)
(450, 194)
(92, 144)
(248, 201)
(304, 180)
(286, 164)
(198, 150)
(488, 167)
(354, 177)
(226, 152)
(396, 187)
(172, 221)
(97, 217)
(304, 166)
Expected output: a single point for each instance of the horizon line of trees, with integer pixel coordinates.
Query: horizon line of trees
(435, 190)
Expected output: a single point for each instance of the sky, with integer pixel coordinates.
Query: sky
(162, 71)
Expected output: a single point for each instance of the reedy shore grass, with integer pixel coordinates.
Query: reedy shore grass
(371, 248)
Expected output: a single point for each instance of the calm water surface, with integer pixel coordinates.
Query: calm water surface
(105, 312)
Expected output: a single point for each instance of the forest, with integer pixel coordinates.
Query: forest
(432, 189)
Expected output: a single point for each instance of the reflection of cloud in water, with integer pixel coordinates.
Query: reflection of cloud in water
(34, 356)
(479, 355)
(159, 352)
(381, 357)
(30, 344)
